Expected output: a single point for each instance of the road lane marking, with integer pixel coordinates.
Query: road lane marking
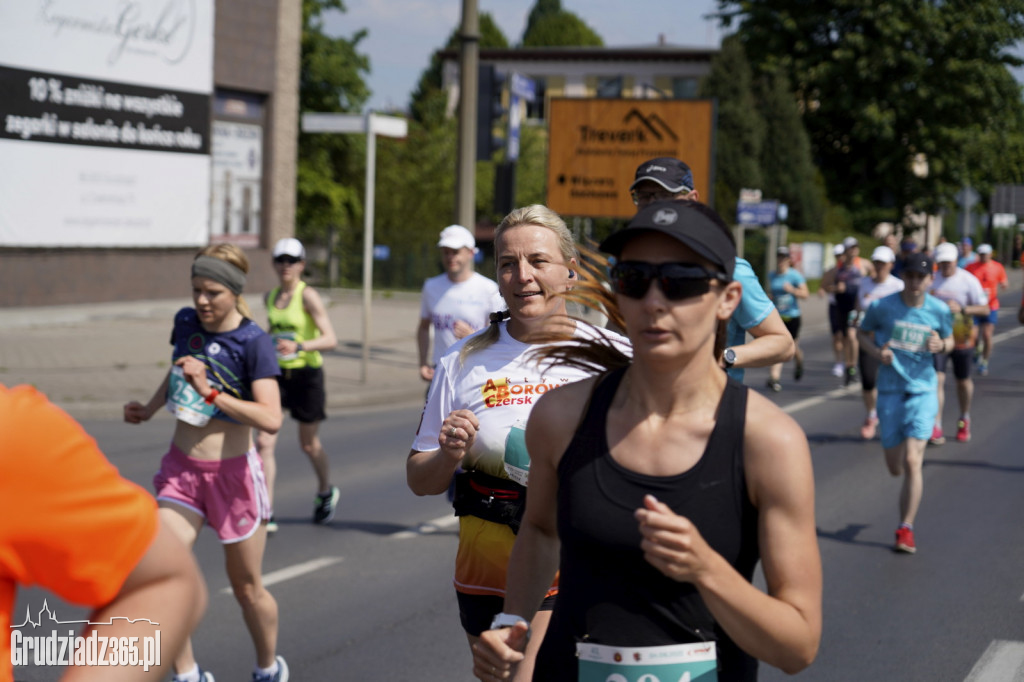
(1002, 661)
(819, 399)
(295, 571)
(1009, 334)
(427, 527)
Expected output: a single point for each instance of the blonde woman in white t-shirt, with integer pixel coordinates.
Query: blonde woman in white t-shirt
(476, 411)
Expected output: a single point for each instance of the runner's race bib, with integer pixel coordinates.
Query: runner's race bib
(185, 403)
(517, 459)
(910, 337)
(673, 663)
(290, 336)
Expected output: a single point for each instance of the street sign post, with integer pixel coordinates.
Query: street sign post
(372, 125)
(761, 213)
(520, 89)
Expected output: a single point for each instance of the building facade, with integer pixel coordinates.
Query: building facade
(145, 195)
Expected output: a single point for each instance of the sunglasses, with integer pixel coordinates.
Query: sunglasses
(676, 280)
(287, 260)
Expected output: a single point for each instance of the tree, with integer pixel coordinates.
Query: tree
(561, 29)
(420, 170)
(740, 136)
(429, 104)
(881, 82)
(330, 167)
(541, 10)
(787, 170)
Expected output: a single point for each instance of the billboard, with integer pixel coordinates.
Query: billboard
(595, 146)
(105, 122)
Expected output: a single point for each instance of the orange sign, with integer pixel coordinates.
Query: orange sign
(595, 146)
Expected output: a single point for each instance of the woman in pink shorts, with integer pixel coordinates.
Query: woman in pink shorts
(222, 384)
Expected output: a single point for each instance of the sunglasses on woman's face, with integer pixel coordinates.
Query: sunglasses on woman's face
(676, 280)
(287, 260)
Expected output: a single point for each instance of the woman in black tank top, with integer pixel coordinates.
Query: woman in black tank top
(657, 487)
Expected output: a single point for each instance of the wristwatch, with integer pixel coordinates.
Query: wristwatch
(507, 620)
(729, 357)
(298, 347)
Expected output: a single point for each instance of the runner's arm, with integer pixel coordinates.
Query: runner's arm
(772, 343)
(262, 412)
(166, 588)
(314, 305)
(136, 413)
(429, 472)
(423, 347)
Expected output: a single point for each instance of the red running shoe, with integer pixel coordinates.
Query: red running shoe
(904, 541)
(937, 437)
(963, 429)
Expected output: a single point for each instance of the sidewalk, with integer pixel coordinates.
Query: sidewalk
(91, 359)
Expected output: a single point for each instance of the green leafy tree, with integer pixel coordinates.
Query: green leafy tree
(882, 82)
(541, 9)
(330, 167)
(787, 170)
(428, 104)
(740, 132)
(561, 29)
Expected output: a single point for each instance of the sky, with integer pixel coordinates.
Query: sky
(403, 34)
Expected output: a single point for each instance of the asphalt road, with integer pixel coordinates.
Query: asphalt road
(370, 597)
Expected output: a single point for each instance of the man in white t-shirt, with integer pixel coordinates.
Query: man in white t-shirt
(455, 303)
(965, 296)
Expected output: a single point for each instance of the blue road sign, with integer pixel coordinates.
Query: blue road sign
(761, 213)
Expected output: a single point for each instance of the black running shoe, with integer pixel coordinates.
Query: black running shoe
(323, 511)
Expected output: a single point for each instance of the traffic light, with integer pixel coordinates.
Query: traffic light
(489, 111)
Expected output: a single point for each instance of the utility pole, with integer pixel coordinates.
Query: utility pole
(469, 59)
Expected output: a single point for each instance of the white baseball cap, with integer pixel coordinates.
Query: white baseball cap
(946, 253)
(883, 254)
(290, 246)
(838, 250)
(457, 237)
(983, 249)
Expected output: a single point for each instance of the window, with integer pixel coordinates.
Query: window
(609, 86)
(684, 88)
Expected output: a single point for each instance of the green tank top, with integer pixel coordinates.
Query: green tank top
(293, 322)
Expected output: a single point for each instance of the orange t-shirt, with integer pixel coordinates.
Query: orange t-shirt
(990, 274)
(68, 522)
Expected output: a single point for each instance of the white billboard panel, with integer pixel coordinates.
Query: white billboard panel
(105, 122)
(87, 196)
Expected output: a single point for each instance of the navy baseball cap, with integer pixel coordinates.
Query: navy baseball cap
(691, 222)
(919, 263)
(670, 173)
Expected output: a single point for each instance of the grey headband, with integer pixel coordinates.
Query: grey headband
(219, 271)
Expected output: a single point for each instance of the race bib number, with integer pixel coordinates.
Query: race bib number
(910, 337)
(673, 663)
(517, 459)
(290, 336)
(184, 403)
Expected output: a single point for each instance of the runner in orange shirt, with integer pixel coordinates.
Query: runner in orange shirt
(992, 276)
(87, 535)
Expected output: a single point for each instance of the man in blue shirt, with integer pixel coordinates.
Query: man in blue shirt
(669, 178)
(904, 331)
